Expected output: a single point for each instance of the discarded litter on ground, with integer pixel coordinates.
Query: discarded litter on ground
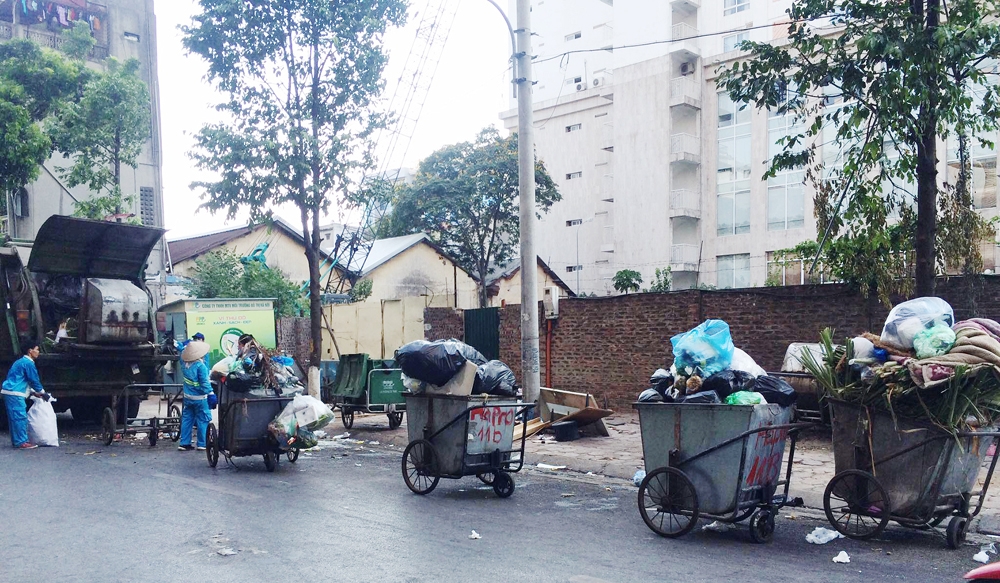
(981, 557)
(475, 535)
(637, 478)
(821, 536)
(719, 526)
(544, 466)
(843, 558)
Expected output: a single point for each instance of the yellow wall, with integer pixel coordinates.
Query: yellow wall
(283, 252)
(510, 289)
(375, 328)
(420, 271)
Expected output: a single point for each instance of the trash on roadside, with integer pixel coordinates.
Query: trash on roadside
(436, 362)
(821, 536)
(475, 535)
(719, 526)
(908, 319)
(637, 478)
(703, 350)
(843, 557)
(226, 552)
(981, 557)
(42, 427)
(495, 378)
(934, 341)
(567, 494)
(543, 466)
(746, 398)
(294, 426)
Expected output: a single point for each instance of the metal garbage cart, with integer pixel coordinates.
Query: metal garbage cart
(908, 471)
(721, 462)
(369, 386)
(457, 436)
(151, 426)
(243, 420)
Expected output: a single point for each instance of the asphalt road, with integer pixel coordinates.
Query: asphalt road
(128, 512)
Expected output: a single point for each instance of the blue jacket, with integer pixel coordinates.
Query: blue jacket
(196, 385)
(21, 376)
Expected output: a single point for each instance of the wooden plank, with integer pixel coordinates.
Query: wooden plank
(533, 427)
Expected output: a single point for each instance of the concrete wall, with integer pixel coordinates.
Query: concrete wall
(421, 271)
(377, 329)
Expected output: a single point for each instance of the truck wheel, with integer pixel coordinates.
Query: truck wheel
(132, 410)
(108, 427)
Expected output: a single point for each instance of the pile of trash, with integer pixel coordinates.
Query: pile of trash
(259, 372)
(295, 426)
(454, 368)
(708, 368)
(923, 366)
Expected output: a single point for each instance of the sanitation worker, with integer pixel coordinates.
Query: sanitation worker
(22, 382)
(196, 391)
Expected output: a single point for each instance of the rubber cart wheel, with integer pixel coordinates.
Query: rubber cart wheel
(154, 432)
(270, 460)
(347, 417)
(395, 420)
(292, 455)
(955, 534)
(212, 445)
(108, 426)
(487, 477)
(762, 526)
(503, 485)
(668, 502)
(419, 471)
(175, 430)
(856, 504)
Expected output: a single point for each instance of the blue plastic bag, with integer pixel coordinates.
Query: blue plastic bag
(705, 350)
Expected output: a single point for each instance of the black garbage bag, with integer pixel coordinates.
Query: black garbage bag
(662, 381)
(470, 353)
(727, 382)
(775, 390)
(704, 397)
(650, 395)
(240, 382)
(432, 362)
(495, 378)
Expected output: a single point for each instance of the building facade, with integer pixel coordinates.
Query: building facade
(656, 167)
(123, 29)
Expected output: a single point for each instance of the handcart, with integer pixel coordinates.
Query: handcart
(243, 420)
(369, 386)
(152, 426)
(457, 436)
(911, 472)
(721, 462)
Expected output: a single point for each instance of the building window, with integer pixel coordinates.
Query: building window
(734, 6)
(786, 201)
(574, 128)
(573, 36)
(147, 206)
(733, 271)
(733, 208)
(572, 268)
(732, 42)
(733, 175)
(573, 175)
(131, 36)
(574, 222)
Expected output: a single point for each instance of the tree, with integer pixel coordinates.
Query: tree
(221, 274)
(627, 280)
(103, 131)
(906, 77)
(302, 79)
(661, 280)
(465, 197)
(361, 291)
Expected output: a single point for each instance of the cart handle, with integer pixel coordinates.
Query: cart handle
(744, 435)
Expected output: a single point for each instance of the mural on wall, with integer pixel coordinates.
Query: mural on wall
(60, 14)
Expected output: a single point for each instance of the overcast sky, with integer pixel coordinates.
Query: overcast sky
(468, 93)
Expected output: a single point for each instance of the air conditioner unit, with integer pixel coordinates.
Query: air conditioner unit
(581, 86)
(550, 302)
(687, 68)
(598, 81)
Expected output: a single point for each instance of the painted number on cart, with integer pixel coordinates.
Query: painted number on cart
(766, 464)
(487, 425)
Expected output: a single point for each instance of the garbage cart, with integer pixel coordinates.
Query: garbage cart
(911, 472)
(457, 436)
(721, 462)
(242, 431)
(369, 386)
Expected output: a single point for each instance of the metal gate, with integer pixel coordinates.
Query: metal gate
(482, 331)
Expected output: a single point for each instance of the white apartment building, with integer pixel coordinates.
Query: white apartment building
(655, 166)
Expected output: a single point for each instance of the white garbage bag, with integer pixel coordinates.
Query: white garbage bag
(42, 427)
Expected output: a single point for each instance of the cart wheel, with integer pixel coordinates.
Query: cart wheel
(175, 431)
(154, 432)
(856, 504)
(762, 526)
(347, 417)
(487, 478)
(503, 485)
(419, 471)
(292, 455)
(668, 502)
(395, 420)
(955, 534)
(108, 426)
(212, 445)
(270, 460)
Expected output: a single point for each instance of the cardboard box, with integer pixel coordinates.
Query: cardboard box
(459, 385)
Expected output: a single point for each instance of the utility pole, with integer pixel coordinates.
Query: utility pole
(530, 379)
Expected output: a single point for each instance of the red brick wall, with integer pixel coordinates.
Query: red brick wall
(294, 338)
(443, 323)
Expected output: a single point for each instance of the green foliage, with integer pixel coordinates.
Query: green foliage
(361, 290)
(627, 280)
(465, 197)
(78, 41)
(904, 79)
(661, 281)
(221, 274)
(100, 208)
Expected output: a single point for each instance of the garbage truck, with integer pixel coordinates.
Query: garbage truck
(86, 277)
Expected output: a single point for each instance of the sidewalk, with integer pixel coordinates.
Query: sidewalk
(620, 455)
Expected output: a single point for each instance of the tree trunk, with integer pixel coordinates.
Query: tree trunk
(927, 173)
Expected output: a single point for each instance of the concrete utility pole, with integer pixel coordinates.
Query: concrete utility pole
(526, 179)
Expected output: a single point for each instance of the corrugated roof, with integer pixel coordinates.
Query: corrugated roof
(183, 249)
(385, 249)
(509, 270)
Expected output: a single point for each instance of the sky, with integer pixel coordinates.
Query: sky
(469, 90)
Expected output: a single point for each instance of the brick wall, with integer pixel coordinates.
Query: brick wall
(294, 338)
(609, 346)
(443, 323)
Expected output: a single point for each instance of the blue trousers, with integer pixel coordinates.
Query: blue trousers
(195, 412)
(17, 418)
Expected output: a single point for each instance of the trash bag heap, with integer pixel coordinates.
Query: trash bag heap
(436, 363)
(259, 372)
(709, 369)
(924, 366)
(296, 425)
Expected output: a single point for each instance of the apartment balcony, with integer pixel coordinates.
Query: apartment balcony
(684, 258)
(685, 92)
(687, 6)
(608, 188)
(685, 47)
(685, 203)
(55, 41)
(685, 149)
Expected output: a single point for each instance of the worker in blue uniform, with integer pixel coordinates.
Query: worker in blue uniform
(196, 391)
(22, 382)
